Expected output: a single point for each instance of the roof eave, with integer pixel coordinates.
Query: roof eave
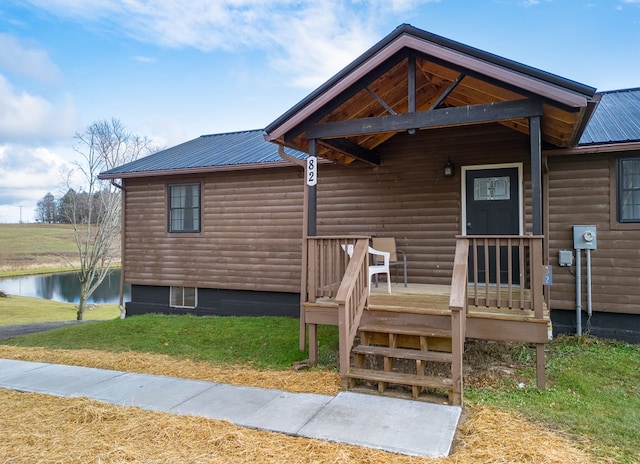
(549, 86)
(612, 147)
(193, 171)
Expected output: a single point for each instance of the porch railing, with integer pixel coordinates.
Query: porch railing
(331, 273)
(458, 306)
(351, 300)
(506, 271)
(327, 262)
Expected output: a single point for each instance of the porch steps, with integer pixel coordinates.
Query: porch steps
(394, 357)
(403, 353)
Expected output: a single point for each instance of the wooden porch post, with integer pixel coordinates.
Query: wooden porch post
(312, 201)
(536, 174)
(311, 209)
(535, 138)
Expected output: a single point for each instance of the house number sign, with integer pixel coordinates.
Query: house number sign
(312, 171)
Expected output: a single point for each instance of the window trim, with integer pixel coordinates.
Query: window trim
(618, 190)
(173, 288)
(170, 209)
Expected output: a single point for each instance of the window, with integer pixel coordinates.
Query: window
(183, 297)
(629, 190)
(184, 208)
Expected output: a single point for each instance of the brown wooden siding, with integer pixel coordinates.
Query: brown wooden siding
(582, 192)
(252, 220)
(408, 197)
(250, 235)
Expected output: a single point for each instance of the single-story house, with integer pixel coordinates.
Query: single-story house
(510, 189)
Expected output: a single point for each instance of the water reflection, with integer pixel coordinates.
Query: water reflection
(65, 287)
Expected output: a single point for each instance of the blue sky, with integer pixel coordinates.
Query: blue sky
(172, 70)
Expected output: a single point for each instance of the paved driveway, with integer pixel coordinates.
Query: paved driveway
(8, 331)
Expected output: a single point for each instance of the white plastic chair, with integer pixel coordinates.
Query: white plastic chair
(398, 257)
(375, 269)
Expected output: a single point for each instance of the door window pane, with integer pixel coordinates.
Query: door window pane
(492, 188)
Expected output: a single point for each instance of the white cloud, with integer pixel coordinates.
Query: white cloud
(26, 175)
(306, 40)
(28, 117)
(20, 58)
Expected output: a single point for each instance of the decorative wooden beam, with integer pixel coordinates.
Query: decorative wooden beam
(447, 91)
(444, 117)
(353, 150)
(344, 96)
(535, 138)
(381, 101)
(411, 87)
(411, 83)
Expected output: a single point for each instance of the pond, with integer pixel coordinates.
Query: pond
(65, 287)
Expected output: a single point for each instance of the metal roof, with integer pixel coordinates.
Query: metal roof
(207, 152)
(615, 120)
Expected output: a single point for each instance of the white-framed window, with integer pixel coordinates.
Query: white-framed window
(629, 189)
(184, 207)
(183, 297)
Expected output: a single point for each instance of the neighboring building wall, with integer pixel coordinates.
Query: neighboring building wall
(582, 191)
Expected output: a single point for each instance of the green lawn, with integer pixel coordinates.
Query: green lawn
(24, 310)
(593, 385)
(260, 342)
(593, 391)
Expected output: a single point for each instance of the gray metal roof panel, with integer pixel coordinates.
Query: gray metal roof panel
(208, 151)
(615, 120)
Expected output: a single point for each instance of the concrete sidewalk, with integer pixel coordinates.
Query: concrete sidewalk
(397, 425)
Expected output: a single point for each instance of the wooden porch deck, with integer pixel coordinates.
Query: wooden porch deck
(483, 322)
(496, 293)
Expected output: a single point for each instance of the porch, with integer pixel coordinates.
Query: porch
(389, 340)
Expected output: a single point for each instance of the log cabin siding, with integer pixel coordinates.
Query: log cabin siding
(250, 238)
(408, 197)
(582, 192)
(251, 226)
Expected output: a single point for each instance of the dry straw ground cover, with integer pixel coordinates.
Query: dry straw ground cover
(39, 428)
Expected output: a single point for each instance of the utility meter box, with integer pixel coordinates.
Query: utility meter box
(565, 258)
(584, 237)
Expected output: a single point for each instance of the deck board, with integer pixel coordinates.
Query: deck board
(433, 300)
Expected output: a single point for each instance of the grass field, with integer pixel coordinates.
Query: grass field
(35, 247)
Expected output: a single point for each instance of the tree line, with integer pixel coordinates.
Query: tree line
(73, 207)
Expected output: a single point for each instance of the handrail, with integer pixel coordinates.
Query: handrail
(351, 300)
(458, 306)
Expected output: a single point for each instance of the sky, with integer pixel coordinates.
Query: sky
(172, 70)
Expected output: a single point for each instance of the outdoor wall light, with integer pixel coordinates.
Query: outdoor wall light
(448, 169)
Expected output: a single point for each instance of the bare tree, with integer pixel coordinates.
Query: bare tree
(46, 210)
(94, 209)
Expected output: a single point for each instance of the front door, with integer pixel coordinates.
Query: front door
(493, 208)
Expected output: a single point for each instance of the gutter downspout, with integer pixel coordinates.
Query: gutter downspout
(305, 231)
(123, 311)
